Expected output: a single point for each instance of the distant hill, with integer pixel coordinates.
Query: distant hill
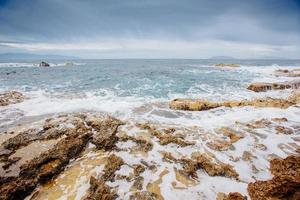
(27, 56)
(222, 58)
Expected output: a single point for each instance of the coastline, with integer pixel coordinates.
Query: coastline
(170, 159)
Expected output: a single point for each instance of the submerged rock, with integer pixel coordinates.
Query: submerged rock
(285, 183)
(113, 164)
(231, 196)
(44, 64)
(144, 195)
(288, 73)
(263, 87)
(100, 191)
(199, 104)
(11, 97)
(201, 161)
(166, 137)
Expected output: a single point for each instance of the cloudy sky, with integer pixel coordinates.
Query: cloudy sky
(152, 28)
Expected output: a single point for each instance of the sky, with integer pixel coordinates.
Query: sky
(152, 28)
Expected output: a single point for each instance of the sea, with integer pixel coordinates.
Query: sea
(137, 88)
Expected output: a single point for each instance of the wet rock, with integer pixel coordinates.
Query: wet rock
(52, 129)
(259, 124)
(199, 105)
(227, 65)
(233, 135)
(44, 64)
(294, 97)
(247, 156)
(202, 161)
(288, 73)
(219, 145)
(113, 164)
(11, 97)
(43, 168)
(263, 87)
(105, 136)
(214, 169)
(283, 119)
(164, 138)
(144, 195)
(284, 130)
(100, 191)
(231, 196)
(138, 183)
(138, 169)
(285, 183)
(192, 105)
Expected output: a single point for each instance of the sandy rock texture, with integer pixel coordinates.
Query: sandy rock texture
(11, 97)
(200, 104)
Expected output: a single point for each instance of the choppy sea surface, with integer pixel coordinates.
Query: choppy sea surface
(138, 89)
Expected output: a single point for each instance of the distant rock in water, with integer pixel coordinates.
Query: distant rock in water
(11, 97)
(227, 65)
(44, 64)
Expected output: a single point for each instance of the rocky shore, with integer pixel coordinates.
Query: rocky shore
(85, 155)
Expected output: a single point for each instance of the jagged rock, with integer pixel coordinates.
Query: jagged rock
(201, 161)
(288, 73)
(138, 183)
(227, 65)
(284, 130)
(231, 196)
(11, 97)
(263, 87)
(165, 138)
(72, 132)
(199, 105)
(44, 64)
(113, 164)
(142, 144)
(232, 134)
(105, 137)
(219, 145)
(138, 169)
(294, 97)
(100, 191)
(43, 168)
(144, 195)
(52, 129)
(285, 183)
